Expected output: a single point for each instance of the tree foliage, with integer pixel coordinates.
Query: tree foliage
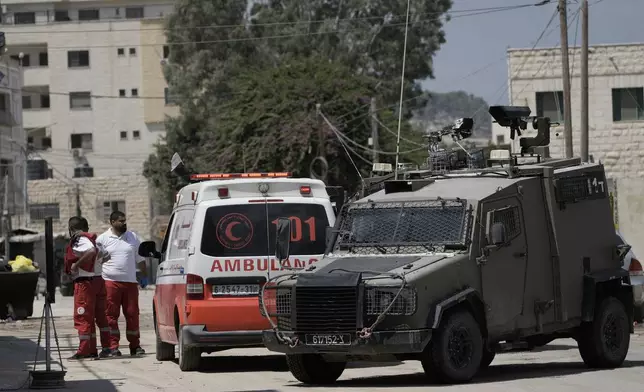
(247, 81)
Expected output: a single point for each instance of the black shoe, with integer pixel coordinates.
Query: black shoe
(106, 352)
(115, 353)
(78, 357)
(137, 352)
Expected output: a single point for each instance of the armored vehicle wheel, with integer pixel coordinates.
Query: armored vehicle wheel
(189, 357)
(456, 351)
(604, 342)
(313, 369)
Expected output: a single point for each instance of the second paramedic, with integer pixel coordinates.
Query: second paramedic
(80, 257)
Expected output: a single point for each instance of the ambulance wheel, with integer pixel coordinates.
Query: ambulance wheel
(189, 357)
(164, 351)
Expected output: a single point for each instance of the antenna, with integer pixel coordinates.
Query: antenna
(402, 90)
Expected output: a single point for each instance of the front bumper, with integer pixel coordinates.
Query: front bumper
(382, 342)
(199, 336)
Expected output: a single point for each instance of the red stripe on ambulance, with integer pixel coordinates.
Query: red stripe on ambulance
(249, 265)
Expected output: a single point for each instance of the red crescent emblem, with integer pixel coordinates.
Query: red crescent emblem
(229, 231)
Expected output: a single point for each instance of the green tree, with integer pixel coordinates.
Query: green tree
(229, 63)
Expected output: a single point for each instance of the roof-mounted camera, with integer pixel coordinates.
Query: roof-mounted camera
(517, 118)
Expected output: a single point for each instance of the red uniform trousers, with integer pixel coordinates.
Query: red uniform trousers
(126, 295)
(100, 311)
(84, 308)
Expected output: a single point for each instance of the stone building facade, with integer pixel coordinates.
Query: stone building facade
(616, 116)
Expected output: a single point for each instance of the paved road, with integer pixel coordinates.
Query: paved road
(557, 367)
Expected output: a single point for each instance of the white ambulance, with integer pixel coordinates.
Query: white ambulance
(218, 252)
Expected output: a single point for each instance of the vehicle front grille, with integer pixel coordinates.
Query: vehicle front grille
(326, 309)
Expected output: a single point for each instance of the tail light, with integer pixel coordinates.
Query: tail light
(635, 267)
(305, 190)
(222, 192)
(194, 287)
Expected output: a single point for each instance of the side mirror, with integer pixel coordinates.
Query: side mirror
(622, 251)
(149, 249)
(283, 239)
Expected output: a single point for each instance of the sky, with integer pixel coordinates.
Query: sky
(475, 42)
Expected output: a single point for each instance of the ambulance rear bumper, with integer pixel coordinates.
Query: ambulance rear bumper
(199, 336)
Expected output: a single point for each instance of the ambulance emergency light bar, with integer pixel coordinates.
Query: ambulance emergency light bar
(228, 176)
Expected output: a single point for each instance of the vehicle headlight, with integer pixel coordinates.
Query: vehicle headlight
(378, 299)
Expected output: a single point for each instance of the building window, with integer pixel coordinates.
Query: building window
(134, 12)
(136, 135)
(132, 51)
(83, 171)
(25, 61)
(61, 16)
(24, 18)
(169, 98)
(628, 104)
(78, 58)
(91, 14)
(26, 101)
(135, 92)
(109, 207)
(44, 101)
(43, 59)
(41, 211)
(123, 135)
(4, 99)
(80, 100)
(120, 51)
(166, 51)
(122, 92)
(81, 140)
(550, 104)
(500, 139)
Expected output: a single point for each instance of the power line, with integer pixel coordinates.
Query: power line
(474, 11)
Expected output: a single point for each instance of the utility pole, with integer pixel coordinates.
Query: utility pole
(565, 68)
(6, 219)
(78, 203)
(584, 81)
(374, 130)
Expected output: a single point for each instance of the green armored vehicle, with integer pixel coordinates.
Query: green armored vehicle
(451, 268)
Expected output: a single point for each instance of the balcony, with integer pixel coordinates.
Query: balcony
(36, 118)
(36, 76)
(35, 107)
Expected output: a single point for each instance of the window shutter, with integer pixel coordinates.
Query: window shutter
(617, 105)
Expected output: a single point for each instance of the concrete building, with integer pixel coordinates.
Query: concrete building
(95, 97)
(12, 163)
(616, 123)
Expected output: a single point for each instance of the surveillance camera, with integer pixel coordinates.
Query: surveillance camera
(21, 55)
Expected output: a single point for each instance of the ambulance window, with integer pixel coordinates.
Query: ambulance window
(180, 235)
(241, 230)
(166, 237)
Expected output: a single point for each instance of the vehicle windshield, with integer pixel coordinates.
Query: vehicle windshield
(403, 227)
(249, 229)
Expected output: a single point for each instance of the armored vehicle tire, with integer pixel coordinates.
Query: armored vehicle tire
(604, 342)
(189, 357)
(456, 351)
(313, 369)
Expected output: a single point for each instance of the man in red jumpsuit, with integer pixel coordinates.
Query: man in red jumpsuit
(100, 309)
(80, 258)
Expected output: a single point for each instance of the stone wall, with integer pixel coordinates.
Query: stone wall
(92, 194)
(618, 145)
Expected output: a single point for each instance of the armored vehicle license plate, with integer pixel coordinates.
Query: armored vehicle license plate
(328, 339)
(235, 289)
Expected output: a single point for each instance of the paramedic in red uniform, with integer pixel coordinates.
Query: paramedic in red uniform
(119, 272)
(80, 259)
(100, 309)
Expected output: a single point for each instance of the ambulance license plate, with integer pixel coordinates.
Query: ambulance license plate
(236, 289)
(330, 339)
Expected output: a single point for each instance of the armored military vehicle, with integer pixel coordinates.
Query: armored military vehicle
(451, 268)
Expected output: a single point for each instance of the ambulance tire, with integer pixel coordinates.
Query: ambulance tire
(164, 351)
(189, 357)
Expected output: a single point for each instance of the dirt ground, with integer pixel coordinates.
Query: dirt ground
(556, 366)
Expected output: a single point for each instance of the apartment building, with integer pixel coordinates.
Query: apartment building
(616, 119)
(94, 101)
(12, 166)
